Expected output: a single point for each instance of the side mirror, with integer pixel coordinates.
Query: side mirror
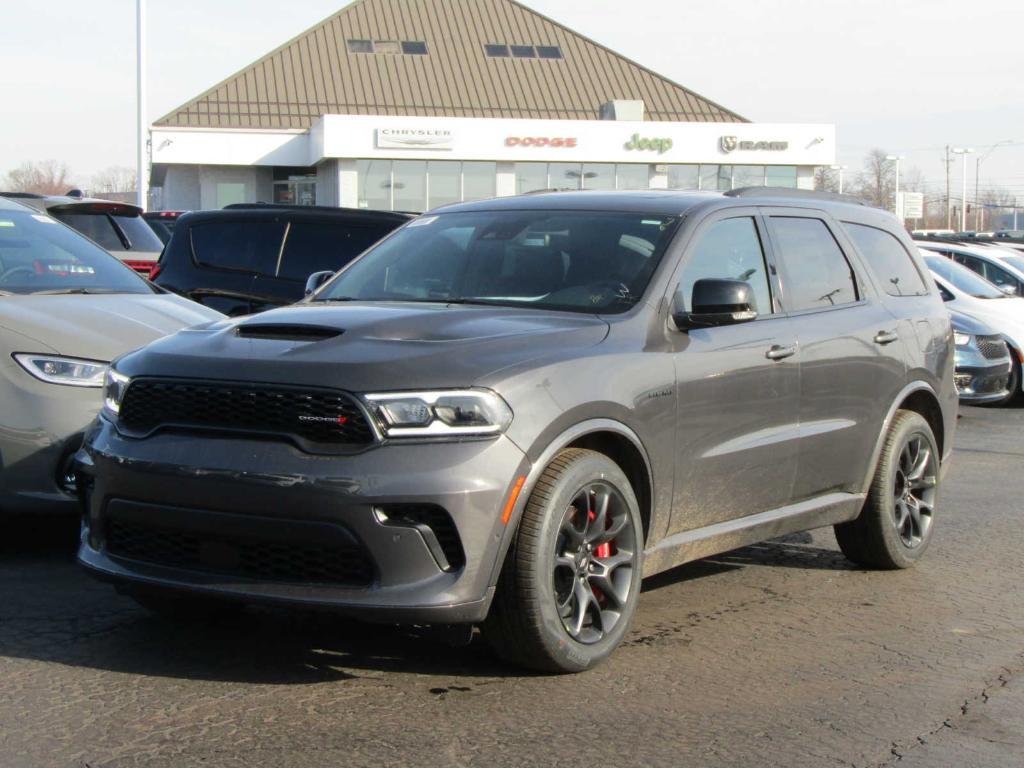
(1009, 290)
(317, 279)
(715, 302)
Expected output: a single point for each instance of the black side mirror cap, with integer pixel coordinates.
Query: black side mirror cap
(317, 279)
(715, 302)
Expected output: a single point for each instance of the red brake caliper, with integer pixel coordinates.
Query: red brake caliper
(600, 551)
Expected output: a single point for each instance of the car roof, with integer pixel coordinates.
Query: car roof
(12, 205)
(297, 213)
(68, 202)
(658, 201)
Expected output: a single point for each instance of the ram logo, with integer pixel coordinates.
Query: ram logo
(728, 143)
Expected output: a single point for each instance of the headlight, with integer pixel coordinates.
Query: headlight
(446, 412)
(70, 371)
(961, 339)
(114, 386)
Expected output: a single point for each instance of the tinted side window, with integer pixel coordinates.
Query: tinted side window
(247, 246)
(888, 259)
(315, 247)
(730, 249)
(817, 274)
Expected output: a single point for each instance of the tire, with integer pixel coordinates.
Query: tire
(571, 581)
(888, 535)
(185, 608)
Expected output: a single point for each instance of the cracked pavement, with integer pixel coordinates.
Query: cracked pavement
(777, 654)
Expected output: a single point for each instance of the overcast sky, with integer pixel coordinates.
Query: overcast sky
(909, 76)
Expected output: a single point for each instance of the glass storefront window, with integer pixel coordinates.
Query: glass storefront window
(374, 184)
(229, 193)
(748, 176)
(724, 178)
(564, 175)
(409, 185)
(632, 176)
(531, 177)
(683, 177)
(598, 176)
(444, 182)
(781, 176)
(479, 180)
(709, 177)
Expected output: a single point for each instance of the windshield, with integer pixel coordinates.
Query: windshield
(38, 255)
(962, 278)
(578, 261)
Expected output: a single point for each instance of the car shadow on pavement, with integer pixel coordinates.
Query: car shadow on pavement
(53, 612)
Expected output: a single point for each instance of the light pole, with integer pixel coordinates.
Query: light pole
(978, 223)
(965, 151)
(141, 169)
(839, 168)
(896, 198)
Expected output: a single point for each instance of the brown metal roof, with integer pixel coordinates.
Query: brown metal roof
(315, 74)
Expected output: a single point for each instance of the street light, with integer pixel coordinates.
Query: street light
(965, 151)
(839, 168)
(977, 175)
(896, 199)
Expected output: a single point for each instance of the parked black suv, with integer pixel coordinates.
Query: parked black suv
(248, 258)
(509, 411)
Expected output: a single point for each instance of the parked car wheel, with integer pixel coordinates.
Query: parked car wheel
(571, 580)
(895, 526)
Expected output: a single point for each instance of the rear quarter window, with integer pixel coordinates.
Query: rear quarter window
(243, 246)
(888, 259)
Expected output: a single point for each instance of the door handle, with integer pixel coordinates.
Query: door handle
(778, 352)
(886, 337)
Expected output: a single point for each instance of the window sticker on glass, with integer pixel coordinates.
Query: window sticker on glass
(421, 222)
(43, 219)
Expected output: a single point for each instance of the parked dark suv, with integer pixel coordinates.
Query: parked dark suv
(248, 258)
(509, 411)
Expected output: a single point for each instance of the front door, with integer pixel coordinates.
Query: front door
(737, 387)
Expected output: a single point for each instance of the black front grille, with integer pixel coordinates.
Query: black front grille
(992, 347)
(316, 416)
(263, 559)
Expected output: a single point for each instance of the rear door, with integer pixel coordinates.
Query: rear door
(851, 357)
(737, 386)
(311, 246)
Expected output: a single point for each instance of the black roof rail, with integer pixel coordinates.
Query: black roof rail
(262, 206)
(23, 195)
(802, 194)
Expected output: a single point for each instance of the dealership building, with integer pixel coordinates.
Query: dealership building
(411, 104)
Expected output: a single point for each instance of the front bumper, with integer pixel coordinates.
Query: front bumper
(982, 384)
(41, 426)
(240, 518)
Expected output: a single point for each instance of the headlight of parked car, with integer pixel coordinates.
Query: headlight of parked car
(70, 371)
(114, 386)
(441, 413)
(961, 339)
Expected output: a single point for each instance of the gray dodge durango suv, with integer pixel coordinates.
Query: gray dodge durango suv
(508, 412)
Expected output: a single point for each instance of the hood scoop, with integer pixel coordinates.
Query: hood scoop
(286, 332)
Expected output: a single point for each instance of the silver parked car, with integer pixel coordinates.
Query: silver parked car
(66, 309)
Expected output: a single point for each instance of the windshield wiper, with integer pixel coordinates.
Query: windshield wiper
(61, 291)
(333, 298)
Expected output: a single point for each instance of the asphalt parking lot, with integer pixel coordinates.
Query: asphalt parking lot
(778, 654)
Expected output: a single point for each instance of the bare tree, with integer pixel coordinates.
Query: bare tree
(995, 202)
(825, 179)
(43, 178)
(875, 182)
(116, 178)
